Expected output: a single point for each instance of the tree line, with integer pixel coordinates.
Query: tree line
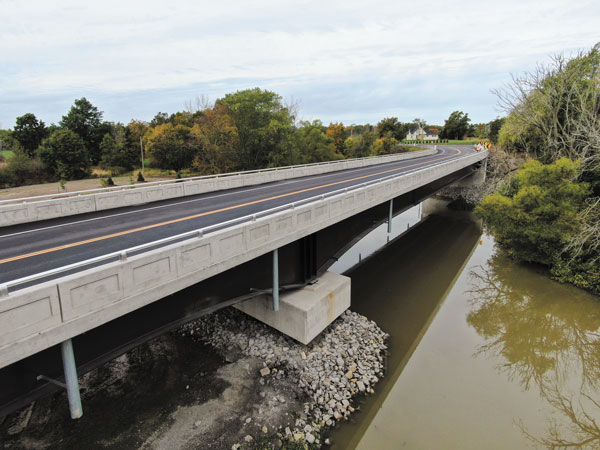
(245, 130)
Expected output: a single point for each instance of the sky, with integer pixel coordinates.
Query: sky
(349, 61)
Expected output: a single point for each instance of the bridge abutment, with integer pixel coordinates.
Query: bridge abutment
(303, 314)
(476, 179)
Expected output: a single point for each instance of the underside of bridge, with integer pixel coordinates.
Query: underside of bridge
(299, 263)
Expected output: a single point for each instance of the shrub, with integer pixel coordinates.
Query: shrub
(107, 182)
(535, 214)
(65, 155)
(21, 170)
(140, 177)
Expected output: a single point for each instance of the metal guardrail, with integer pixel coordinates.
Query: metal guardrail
(122, 255)
(178, 180)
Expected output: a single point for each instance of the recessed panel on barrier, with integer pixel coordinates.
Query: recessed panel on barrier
(173, 190)
(283, 225)
(78, 206)
(335, 207)
(231, 245)
(133, 197)
(320, 211)
(146, 275)
(80, 297)
(104, 201)
(154, 194)
(32, 313)
(48, 210)
(194, 256)
(12, 214)
(259, 234)
(303, 217)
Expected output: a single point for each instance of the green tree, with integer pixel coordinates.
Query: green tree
(360, 146)
(456, 126)
(315, 145)
(390, 127)
(65, 155)
(336, 132)
(7, 141)
(117, 153)
(536, 213)
(265, 128)
(86, 120)
(159, 119)
(29, 132)
(384, 146)
(217, 139)
(495, 126)
(171, 147)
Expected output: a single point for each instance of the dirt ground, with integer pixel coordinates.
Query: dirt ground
(71, 186)
(171, 393)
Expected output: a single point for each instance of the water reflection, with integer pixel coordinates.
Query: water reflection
(545, 336)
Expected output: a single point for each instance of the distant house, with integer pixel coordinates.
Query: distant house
(422, 134)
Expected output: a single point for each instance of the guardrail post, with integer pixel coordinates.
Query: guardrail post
(390, 216)
(71, 381)
(276, 280)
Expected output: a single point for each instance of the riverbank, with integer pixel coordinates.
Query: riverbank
(224, 381)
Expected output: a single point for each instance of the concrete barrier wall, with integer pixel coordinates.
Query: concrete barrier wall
(35, 318)
(35, 210)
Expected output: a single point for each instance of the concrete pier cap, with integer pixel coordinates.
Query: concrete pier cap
(305, 313)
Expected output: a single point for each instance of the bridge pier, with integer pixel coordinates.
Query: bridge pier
(303, 313)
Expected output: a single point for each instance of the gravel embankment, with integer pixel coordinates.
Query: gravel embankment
(345, 360)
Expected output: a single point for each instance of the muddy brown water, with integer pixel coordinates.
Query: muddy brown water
(483, 353)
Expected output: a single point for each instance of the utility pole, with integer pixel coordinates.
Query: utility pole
(142, 150)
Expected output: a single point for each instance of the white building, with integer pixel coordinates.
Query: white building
(421, 134)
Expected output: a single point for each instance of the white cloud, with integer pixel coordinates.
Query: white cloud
(119, 48)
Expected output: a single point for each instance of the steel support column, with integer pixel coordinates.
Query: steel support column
(390, 215)
(276, 280)
(71, 381)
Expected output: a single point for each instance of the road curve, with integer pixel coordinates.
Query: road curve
(40, 246)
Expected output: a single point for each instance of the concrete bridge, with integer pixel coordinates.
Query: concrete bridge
(100, 270)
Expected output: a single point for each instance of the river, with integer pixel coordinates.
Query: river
(483, 353)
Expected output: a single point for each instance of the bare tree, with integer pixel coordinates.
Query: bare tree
(293, 107)
(558, 106)
(198, 104)
(584, 430)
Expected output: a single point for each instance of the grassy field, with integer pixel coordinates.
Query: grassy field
(461, 142)
(445, 142)
(6, 153)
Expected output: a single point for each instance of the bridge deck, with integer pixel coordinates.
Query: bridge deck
(40, 246)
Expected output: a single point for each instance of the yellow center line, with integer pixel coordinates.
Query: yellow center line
(195, 216)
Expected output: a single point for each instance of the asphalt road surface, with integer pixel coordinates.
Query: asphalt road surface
(40, 246)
